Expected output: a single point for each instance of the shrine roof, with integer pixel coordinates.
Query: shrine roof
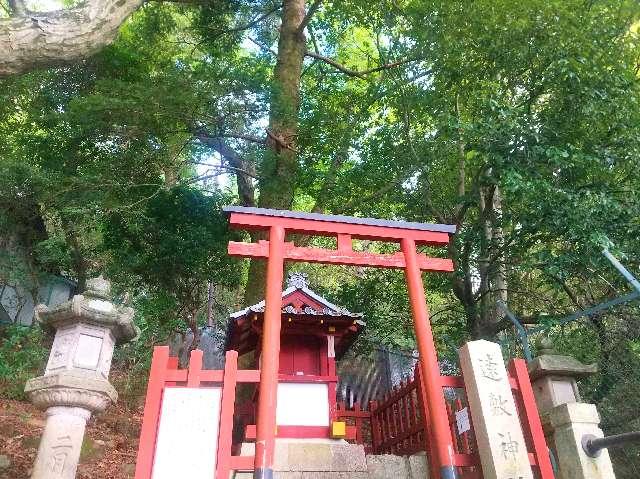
(302, 310)
(298, 282)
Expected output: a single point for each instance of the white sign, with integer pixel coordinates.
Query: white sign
(503, 452)
(302, 404)
(188, 433)
(462, 420)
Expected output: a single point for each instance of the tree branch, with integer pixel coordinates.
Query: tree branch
(310, 13)
(357, 73)
(240, 28)
(262, 47)
(244, 169)
(40, 39)
(242, 136)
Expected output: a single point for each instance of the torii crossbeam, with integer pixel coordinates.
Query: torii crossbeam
(344, 228)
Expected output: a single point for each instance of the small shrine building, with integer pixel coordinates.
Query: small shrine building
(314, 334)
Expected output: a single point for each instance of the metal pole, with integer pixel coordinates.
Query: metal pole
(623, 271)
(438, 417)
(269, 358)
(592, 445)
(522, 332)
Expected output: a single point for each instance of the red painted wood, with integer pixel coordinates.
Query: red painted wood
(466, 445)
(345, 242)
(441, 434)
(358, 423)
(351, 434)
(375, 428)
(330, 228)
(270, 351)
(176, 375)
(241, 463)
(195, 368)
(287, 378)
(151, 416)
(172, 363)
(518, 369)
(398, 424)
(223, 462)
(452, 382)
(324, 356)
(452, 426)
(248, 376)
(331, 397)
(428, 438)
(299, 299)
(436, 423)
(300, 355)
(353, 258)
(287, 349)
(297, 432)
(466, 460)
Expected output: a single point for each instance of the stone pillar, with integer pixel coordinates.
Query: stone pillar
(571, 423)
(75, 382)
(501, 444)
(565, 419)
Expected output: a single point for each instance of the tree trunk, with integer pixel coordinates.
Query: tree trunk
(79, 262)
(280, 164)
(491, 265)
(210, 304)
(32, 40)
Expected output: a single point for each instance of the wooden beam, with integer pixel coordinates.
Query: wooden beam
(329, 228)
(343, 257)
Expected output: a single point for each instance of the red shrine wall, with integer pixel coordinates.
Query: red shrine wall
(300, 355)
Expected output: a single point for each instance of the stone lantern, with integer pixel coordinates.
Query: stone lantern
(553, 377)
(75, 382)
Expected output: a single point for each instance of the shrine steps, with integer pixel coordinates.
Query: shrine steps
(336, 459)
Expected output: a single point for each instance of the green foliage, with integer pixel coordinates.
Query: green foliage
(23, 352)
(515, 121)
(180, 234)
(171, 248)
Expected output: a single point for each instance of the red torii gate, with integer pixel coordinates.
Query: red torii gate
(345, 228)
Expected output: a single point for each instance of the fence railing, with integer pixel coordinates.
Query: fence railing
(397, 421)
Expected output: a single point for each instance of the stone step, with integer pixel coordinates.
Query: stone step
(336, 459)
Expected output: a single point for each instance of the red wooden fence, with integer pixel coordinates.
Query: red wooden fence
(165, 373)
(395, 424)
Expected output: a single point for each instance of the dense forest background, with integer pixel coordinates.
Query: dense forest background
(519, 122)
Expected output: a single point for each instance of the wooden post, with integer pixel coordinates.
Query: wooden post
(223, 463)
(147, 447)
(429, 362)
(269, 360)
(518, 369)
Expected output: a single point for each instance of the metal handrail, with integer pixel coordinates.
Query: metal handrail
(593, 445)
(524, 333)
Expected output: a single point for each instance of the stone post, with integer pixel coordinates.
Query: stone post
(75, 382)
(571, 422)
(564, 418)
(501, 445)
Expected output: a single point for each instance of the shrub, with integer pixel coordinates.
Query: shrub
(23, 352)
